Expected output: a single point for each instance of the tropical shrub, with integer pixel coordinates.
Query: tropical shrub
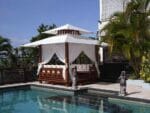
(128, 33)
(145, 68)
(5, 52)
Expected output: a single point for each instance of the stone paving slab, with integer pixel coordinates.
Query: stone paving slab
(134, 91)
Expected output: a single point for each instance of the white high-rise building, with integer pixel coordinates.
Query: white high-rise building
(106, 9)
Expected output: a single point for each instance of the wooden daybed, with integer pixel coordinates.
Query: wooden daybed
(55, 75)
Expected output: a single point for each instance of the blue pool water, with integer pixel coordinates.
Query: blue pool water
(38, 101)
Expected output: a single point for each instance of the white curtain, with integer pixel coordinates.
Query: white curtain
(46, 56)
(76, 49)
(59, 49)
(49, 50)
(74, 52)
(47, 53)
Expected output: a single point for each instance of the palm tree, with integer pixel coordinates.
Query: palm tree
(128, 32)
(5, 44)
(5, 49)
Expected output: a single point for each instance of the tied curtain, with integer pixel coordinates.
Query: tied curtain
(49, 50)
(89, 51)
(76, 49)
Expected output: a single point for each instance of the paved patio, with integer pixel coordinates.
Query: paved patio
(135, 91)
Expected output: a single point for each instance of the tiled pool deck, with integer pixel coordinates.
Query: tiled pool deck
(133, 90)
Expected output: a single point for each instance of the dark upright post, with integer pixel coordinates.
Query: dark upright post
(96, 53)
(67, 63)
(97, 60)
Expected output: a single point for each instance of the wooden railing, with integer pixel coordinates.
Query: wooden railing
(85, 77)
(55, 76)
(52, 76)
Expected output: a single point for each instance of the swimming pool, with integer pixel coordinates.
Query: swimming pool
(30, 100)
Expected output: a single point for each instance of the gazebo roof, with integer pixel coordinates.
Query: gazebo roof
(63, 39)
(67, 27)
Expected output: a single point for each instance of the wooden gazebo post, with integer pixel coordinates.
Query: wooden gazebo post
(96, 52)
(97, 56)
(67, 63)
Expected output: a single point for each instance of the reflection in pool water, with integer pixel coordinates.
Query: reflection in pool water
(37, 101)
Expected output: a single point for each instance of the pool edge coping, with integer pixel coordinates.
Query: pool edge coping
(77, 91)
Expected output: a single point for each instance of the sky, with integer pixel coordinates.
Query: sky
(19, 19)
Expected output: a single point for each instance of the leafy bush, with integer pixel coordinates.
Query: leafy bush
(145, 68)
(133, 76)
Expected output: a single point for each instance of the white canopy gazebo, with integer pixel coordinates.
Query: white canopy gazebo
(67, 45)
